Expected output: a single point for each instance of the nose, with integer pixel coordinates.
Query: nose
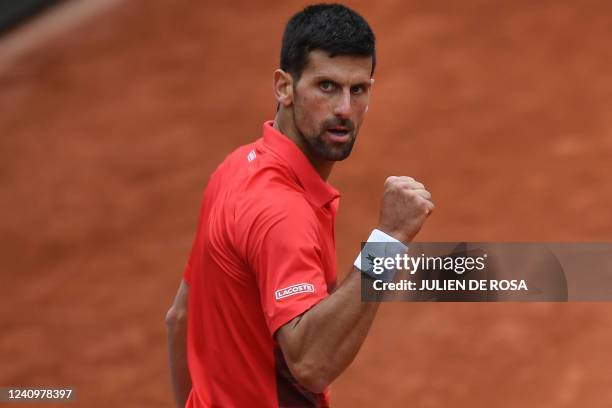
(343, 105)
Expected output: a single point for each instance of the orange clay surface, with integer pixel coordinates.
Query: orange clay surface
(108, 134)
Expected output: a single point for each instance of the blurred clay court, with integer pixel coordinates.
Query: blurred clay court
(114, 113)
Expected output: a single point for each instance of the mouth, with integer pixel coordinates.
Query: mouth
(339, 134)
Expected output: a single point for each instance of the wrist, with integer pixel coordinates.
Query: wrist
(379, 246)
(397, 235)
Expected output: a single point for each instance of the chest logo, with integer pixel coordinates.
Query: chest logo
(294, 290)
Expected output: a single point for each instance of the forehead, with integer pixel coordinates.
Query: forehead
(341, 68)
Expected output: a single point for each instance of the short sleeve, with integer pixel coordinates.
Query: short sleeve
(288, 266)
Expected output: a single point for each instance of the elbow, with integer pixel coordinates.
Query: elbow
(314, 377)
(176, 317)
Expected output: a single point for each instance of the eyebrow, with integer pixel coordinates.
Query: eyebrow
(319, 78)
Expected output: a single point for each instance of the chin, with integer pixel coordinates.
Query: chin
(337, 154)
(332, 151)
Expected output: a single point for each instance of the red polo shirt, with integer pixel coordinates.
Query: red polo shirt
(264, 253)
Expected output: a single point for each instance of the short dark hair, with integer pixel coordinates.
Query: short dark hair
(333, 28)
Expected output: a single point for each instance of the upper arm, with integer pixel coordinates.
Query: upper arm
(291, 340)
(295, 345)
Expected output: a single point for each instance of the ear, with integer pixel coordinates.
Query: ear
(283, 87)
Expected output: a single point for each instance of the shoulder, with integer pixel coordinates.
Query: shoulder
(270, 196)
(274, 209)
(233, 162)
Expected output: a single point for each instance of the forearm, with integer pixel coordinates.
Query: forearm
(179, 370)
(328, 337)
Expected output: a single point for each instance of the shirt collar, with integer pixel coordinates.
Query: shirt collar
(318, 190)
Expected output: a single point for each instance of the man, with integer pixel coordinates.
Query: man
(267, 326)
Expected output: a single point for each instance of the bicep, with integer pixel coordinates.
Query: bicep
(286, 335)
(290, 341)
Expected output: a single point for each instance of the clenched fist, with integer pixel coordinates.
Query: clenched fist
(405, 206)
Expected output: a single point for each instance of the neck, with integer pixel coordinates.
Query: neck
(283, 122)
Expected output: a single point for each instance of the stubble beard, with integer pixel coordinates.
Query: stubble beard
(320, 146)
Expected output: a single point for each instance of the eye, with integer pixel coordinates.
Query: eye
(357, 89)
(326, 85)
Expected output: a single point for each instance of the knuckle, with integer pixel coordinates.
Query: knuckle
(390, 180)
(411, 194)
(399, 180)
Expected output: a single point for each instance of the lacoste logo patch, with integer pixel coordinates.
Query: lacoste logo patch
(251, 156)
(294, 290)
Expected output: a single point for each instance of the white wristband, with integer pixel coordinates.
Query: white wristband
(379, 245)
